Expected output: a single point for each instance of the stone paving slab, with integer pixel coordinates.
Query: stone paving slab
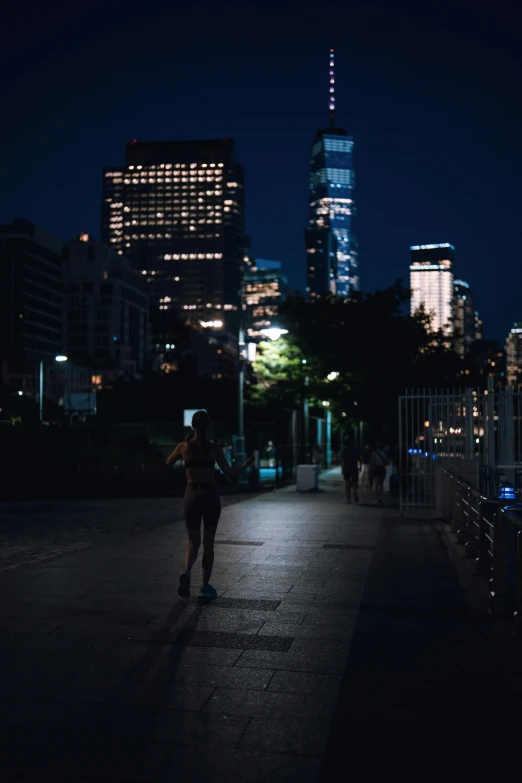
(99, 652)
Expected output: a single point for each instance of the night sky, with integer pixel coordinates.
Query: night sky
(430, 91)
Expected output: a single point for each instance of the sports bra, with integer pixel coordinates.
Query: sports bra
(198, 461)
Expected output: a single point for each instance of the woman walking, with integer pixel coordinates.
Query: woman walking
(202, 499)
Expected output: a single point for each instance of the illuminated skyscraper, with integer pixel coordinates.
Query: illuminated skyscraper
(431, 284)
(176, 211)
(330, 244)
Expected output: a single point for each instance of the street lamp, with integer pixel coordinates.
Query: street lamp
(59, 358)
(274, 332)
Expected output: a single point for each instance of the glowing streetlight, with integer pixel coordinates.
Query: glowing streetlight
(332, 376)
(274, 333)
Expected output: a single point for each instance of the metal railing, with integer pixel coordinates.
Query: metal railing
(490, 532)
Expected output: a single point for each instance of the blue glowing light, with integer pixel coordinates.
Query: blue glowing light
(507, 492)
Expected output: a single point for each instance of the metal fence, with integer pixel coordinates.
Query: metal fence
(491, 533)
(477, 434)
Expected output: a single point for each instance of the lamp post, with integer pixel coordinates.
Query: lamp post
(306, 419)
(274, 333)
(246, 353)
(59, 358)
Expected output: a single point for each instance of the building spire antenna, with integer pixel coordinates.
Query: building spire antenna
(332, 89)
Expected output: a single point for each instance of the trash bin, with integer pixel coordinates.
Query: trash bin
(307, 478)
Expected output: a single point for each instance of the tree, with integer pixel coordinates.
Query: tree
(361, 354)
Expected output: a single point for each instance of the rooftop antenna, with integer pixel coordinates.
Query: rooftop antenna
(332, 89)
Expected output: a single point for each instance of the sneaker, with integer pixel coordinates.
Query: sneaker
(208, 592)
(184, 586)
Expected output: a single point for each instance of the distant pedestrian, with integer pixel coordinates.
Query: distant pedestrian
(350, 468)
(366, 459)
(270, 454)
(378, 468)
(202, 500)
(317, 455)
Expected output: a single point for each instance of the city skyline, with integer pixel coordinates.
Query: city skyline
(433, 134)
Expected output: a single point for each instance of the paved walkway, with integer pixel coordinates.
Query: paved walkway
(340, 638)
(37, 531)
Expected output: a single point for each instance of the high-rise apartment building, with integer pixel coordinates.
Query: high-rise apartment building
(464, 326)
(106, 307)
(264, 290)
(431, 284)
(175, 209)
(331, 248)
(514, 356)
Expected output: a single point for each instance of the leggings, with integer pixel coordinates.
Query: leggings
(202, 501)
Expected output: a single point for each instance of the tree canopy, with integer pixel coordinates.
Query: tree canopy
(360, 353)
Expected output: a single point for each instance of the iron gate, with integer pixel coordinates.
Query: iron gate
(477, 434)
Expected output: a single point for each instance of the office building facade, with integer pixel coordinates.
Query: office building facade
(106, 310)
(265, 288)
(464, 317)
(176, 210)
(431, 284)
(31, 294)
(32, 315)
(514, 356)
(331, 249)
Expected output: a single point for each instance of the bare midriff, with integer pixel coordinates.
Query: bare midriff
(200, 475)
